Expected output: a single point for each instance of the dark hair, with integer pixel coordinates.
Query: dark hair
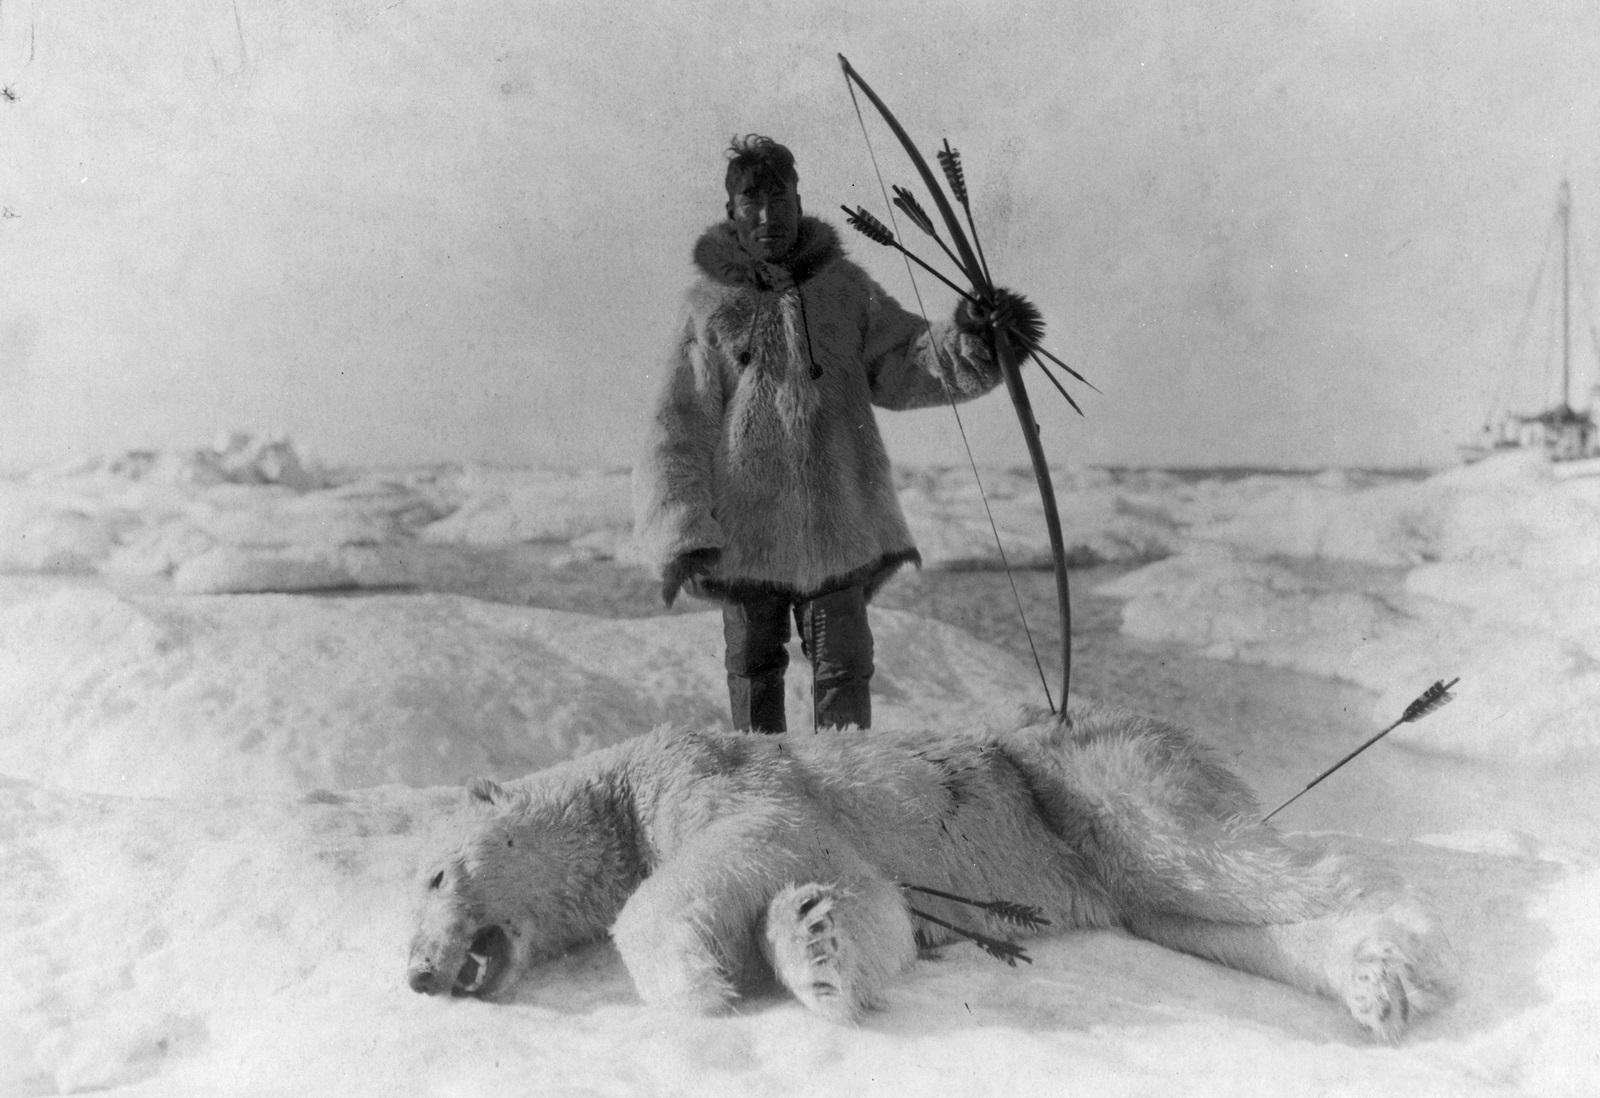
(754, 160)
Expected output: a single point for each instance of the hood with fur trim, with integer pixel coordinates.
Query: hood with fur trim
(720, 257)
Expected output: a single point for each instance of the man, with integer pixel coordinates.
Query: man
(764, 483)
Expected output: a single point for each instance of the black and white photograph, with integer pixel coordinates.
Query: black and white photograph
(957, 548)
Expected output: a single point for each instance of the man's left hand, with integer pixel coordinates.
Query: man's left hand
(1005, 311)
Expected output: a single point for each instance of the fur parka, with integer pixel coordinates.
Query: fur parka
(762, 443)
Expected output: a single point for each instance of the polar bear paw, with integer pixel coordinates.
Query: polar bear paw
(1393, 981)
(1378, 994)
(1400, 970)
(811, 955)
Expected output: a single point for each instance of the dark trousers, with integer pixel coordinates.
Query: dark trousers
(835, 637)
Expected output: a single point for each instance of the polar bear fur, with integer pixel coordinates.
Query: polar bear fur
(718, 860)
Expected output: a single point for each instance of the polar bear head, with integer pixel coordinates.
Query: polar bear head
(531, 878)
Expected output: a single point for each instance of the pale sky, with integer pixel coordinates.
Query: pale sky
(1271, 234)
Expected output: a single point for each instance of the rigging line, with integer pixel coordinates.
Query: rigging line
(972, 461)
(1519, 338)
(1586, 295)
(1552, 354)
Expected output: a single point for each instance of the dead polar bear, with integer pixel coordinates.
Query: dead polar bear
(718, 859)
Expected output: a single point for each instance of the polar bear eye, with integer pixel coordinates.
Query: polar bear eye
(438, 879)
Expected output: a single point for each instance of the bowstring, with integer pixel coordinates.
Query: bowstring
(972, 461)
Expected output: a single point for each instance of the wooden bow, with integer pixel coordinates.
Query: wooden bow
(968, 257)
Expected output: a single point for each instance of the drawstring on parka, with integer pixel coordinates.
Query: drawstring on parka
(805, 326)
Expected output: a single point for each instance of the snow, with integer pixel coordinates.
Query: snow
(149, 696)
(1495, 582)
(239, 693)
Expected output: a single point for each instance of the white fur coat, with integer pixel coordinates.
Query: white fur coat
(762, 441)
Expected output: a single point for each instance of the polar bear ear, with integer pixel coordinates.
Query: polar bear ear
(488, 791)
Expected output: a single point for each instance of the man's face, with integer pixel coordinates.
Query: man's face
(766, 219)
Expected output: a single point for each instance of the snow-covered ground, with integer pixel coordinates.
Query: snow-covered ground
(216, 789)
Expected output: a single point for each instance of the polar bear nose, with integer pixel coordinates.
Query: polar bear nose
(424, 980)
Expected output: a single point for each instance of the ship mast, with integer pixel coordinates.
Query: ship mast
(1566, 298)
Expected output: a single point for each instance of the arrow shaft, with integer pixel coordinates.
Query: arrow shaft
(1326, 773)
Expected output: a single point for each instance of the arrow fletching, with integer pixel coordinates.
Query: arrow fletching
(868, 226)
(873, 229)
(1435, 697)
(907, 203)
(950, 161)
(1024, 915)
